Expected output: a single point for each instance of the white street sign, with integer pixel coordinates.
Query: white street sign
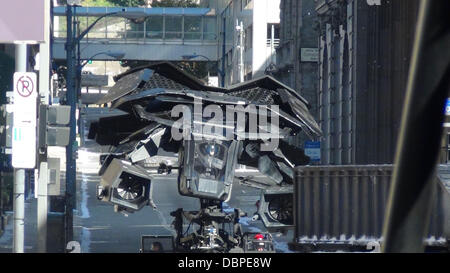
(24, 126)
(24, 147)
(309, 55)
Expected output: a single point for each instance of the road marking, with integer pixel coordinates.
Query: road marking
(145, 226)
(93, 228)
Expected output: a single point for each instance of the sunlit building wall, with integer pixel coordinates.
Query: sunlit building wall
(260, 20)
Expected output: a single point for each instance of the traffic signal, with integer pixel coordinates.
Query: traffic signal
(6, 125)
(53, 125)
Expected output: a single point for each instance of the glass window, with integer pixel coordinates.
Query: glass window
(97, 31)
(246, 2)
(135, 31)
(192, 28)
(174, 27)
(249, 38)
(229, 31)
(84, 22)
(209, 28)
(60, 26)
(276, 28)
(116, 27)
(154, 27)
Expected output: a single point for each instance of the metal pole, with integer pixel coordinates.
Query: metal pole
(223, 51)
(272, 44)
(19, 210)
(241, 50)
(42, 208)
(70, 149)
(19, 174)
(78, 70)
(44, 91)
(410, 203)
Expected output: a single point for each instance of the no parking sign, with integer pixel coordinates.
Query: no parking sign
(24, 126)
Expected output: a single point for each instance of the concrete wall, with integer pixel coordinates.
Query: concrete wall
(264, 12)
(255, 15)
(298, 30)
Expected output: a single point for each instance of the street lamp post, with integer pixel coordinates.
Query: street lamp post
(70, 149)
(116, 56)
(72, 95)
(193, 56)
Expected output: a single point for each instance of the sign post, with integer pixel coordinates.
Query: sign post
(24, 133)
(23, 143)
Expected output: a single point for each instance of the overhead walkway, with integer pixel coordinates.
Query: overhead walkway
(166, 35)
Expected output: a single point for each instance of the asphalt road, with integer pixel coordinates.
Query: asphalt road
(98, 229)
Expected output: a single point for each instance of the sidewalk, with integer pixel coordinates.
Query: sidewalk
(6, 240)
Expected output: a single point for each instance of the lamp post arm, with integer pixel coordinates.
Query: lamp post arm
(81, 36)
(203, 57)
(87, 61)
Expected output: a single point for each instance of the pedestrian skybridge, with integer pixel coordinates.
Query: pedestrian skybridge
(166, 35)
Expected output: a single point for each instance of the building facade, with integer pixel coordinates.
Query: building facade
(249, 35)
(364, 58)
(297, 54)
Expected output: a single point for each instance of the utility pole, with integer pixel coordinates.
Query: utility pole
(70, 149)
(44, 92)
(272, 46)
(224, 37)
(19, 174)
(72, 98)
(241, 51)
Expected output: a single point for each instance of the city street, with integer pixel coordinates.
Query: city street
(254, 126)
(99, 229)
